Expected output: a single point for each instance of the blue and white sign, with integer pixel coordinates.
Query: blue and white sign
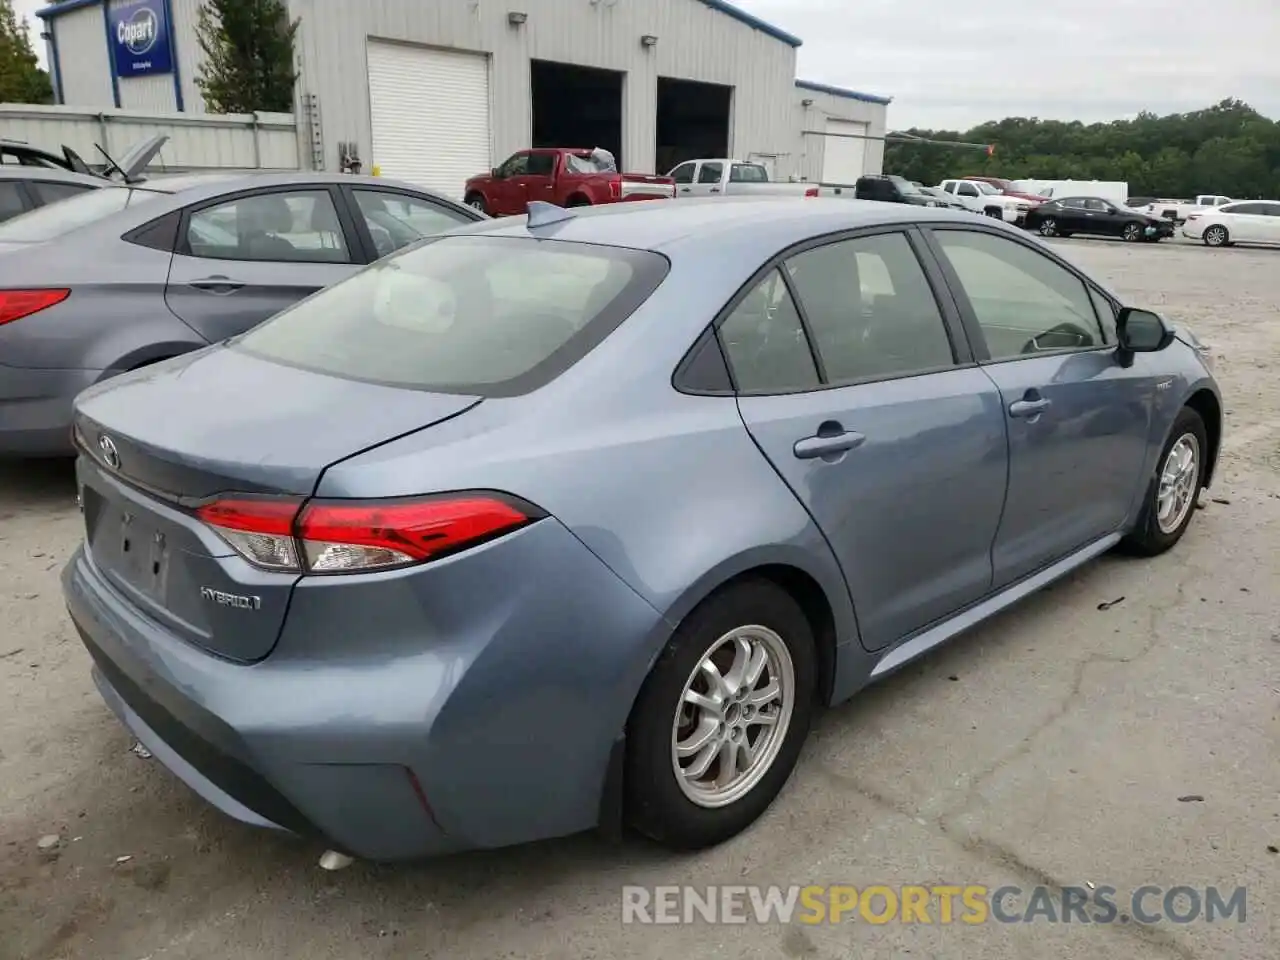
(140, 42)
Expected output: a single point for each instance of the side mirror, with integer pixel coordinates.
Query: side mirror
(496, 173)
(1141, 331)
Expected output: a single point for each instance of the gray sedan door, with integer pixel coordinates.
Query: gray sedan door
(244, 258)
(866, 404)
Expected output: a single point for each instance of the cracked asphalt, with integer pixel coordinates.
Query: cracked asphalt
(1049, 747)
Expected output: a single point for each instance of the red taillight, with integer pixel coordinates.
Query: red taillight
(615, 189)
(16, 304)
(811, 192)
(354, 537)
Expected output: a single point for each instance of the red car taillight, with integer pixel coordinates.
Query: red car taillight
(811, 192)
(16, 304)
(615, 189)
(356, 537)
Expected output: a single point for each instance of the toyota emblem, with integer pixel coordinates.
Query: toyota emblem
(110, 455)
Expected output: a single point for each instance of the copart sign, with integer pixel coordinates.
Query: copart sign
(140, 37)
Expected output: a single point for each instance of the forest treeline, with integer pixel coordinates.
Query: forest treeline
(1228, 149)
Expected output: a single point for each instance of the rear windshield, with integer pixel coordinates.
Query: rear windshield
(48, 223)
(495, 316)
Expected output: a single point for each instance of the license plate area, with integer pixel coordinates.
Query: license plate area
(127, 544)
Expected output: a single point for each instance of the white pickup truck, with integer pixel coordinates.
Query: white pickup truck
(721, 176)
(982, 197)
(1179, 210)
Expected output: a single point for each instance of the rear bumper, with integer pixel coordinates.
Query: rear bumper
(396, 731)
(35, 409)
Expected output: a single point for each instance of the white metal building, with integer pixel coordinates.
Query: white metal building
(435, 91)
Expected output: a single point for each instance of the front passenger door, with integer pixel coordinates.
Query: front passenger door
(243, 259)
(855, 392)
(1079, 423)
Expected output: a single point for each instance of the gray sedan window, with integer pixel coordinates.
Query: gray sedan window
(765, 344)
(870, 309)
(10, 200)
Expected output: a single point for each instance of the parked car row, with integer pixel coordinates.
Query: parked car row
(574, 520)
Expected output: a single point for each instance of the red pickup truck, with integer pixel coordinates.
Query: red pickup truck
(563, 176)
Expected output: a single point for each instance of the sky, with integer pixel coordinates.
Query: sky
(951, 65)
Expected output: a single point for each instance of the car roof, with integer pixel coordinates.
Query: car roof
(748, 225)
(22, 172)
(199, 185)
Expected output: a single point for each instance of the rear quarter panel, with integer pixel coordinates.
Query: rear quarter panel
(115, 318)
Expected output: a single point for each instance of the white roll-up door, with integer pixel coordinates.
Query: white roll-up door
(844, 157)
(429, 114)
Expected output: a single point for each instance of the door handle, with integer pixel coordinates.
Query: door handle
(684, 189)
(1028, 408)
(827, 444)
(714, 190)
(218, 284)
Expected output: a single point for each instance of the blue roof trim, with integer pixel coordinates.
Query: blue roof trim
(65, 6)
(842, 92)
(742, 17)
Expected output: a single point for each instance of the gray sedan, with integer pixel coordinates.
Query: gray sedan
(23, 189)
(554, 522)
(129, 274)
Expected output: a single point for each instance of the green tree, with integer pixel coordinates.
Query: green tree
(248, 56)
(21, 79)
(1228, 148)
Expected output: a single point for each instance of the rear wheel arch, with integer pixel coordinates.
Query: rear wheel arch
(801, 585)
(578, 200)
(1205, 403)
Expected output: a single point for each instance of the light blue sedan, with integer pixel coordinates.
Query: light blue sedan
(574, 520)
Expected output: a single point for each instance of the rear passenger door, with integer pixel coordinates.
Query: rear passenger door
(855, 381)
(707, 182)
(1079, 423)
(243, 258)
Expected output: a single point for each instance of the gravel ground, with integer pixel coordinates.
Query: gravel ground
(1051, 746)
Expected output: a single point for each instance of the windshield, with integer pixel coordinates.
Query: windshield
(468, 314)
(985, 189)
(905, 186)
(48, 223)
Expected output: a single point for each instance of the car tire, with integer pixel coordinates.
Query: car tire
(1170, 499)
(1217, 236)
(1132, 232)
(669, 800)
(1049, 227)
(476, 202)
(578, 200)
(994, 212)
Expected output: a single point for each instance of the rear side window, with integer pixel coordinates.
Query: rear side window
(495, 316)
(748, 173)
(765, 343)
(11, 202)
(870, 309)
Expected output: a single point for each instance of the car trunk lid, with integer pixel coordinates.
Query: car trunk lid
(161, 440)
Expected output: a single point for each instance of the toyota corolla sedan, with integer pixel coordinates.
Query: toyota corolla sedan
(574, 520)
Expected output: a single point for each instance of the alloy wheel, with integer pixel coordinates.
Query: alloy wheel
(1179, 480)
(1049, 228)
(1132, 232)
(733, 716)
(1215, 236)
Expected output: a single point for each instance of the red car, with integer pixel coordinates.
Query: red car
(567, 177)
(1003, 186)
